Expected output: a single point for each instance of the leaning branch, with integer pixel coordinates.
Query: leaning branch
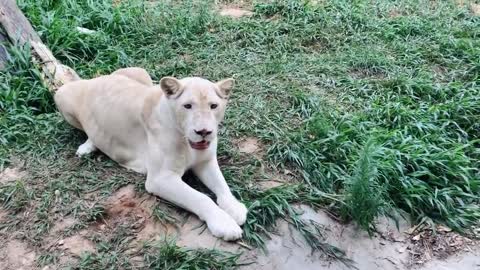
(19, 31)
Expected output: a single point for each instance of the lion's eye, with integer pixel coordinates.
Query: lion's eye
(213, 106)
(187, 106)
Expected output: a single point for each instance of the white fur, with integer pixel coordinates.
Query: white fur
(86, 148)
(147, 128)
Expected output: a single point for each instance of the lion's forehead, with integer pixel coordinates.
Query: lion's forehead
(200, 90)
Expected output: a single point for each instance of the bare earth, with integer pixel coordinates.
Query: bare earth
(287, 250)
(389, 248)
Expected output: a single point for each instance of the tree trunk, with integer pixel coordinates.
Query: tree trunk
(19, 31)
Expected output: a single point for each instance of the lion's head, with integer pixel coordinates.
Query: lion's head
(198, 106)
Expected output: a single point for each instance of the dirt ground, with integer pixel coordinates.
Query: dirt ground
(390, 248)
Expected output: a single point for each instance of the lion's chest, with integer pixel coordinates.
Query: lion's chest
(196, 157)
(184, 158)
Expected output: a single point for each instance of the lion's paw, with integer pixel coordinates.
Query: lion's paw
(234, 208)
(223, 226)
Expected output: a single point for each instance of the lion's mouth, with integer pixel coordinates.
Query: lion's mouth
(202, 145)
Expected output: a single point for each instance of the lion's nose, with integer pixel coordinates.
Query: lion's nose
(203, 132)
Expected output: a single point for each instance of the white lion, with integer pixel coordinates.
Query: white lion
(161, 130)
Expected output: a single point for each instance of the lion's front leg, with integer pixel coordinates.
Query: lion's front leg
(210, 174)
(169, 186)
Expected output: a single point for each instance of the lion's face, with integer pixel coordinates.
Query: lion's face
(198, 106)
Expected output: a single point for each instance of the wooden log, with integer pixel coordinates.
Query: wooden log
(3, 52)
(20, 31)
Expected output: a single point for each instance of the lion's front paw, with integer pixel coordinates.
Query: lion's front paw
(234, 208)
(223, 226)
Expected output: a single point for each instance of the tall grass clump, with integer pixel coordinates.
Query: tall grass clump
(364, 196)
(166, 255)
(21, 87)
(26, 105)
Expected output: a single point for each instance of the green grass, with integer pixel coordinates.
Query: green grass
(166, 255)
(373, 105)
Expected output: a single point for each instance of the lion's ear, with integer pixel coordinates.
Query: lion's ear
(225, 86)
(170, 86)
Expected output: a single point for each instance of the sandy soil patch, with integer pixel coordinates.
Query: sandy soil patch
(235, 12)
(475, 9)
(236, 9)
(16, 255)
(389, 249)
(11, 174)
(249, 145)
(62, 224)
(77, 245)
